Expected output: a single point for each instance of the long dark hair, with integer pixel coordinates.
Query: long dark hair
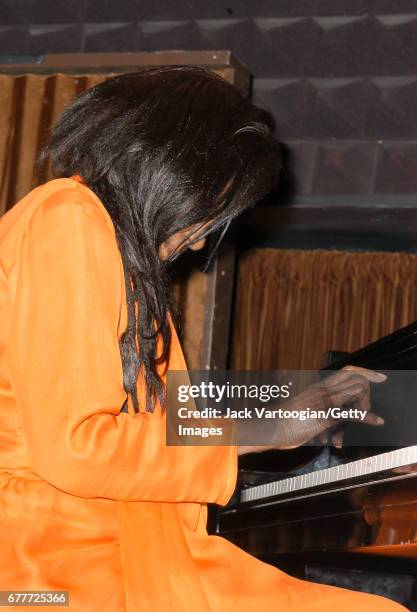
(164, 149)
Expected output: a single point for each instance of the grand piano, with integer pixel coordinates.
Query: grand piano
(326, 504)
(345, 516)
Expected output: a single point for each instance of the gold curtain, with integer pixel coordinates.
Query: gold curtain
(294, 305)
(31, 104)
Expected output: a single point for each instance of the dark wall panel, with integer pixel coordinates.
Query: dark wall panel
(340, 76)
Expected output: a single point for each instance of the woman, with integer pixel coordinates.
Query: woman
(93, 502)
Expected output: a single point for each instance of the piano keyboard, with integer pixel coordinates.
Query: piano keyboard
(369, 465)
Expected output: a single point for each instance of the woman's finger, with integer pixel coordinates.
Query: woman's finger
(343, 394)
(337, 438)
(364, 402)
(371, 375)
(323, 438)
(370, 419)
(348, 371)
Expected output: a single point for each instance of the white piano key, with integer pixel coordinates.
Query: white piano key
(353, 469)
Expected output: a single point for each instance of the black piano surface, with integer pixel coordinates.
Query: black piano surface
(358, 498)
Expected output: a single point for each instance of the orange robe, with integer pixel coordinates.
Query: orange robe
(92, 500)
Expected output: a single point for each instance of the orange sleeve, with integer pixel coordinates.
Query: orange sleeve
(63, 362)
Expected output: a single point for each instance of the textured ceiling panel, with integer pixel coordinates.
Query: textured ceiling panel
(121, 37)
(340, 110)
(362, 108)
(393, 113)
(289, 47)
(394, 44)
(397, 169)
(59, 38)
(168, 35)
(300, 164)
(345, 168)
(14, 39)
(289, 100)
(14, 12)
(59, 11)
(382, 7)
(109, 10)
(340, 76)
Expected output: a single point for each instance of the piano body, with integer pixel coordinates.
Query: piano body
(359, 499)
(368, 504)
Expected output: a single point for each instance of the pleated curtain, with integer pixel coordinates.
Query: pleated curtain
(292, 306)
(30, 105)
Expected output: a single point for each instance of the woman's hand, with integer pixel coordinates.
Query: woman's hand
(346, 389)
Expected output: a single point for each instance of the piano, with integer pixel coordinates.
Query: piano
(358, 499)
